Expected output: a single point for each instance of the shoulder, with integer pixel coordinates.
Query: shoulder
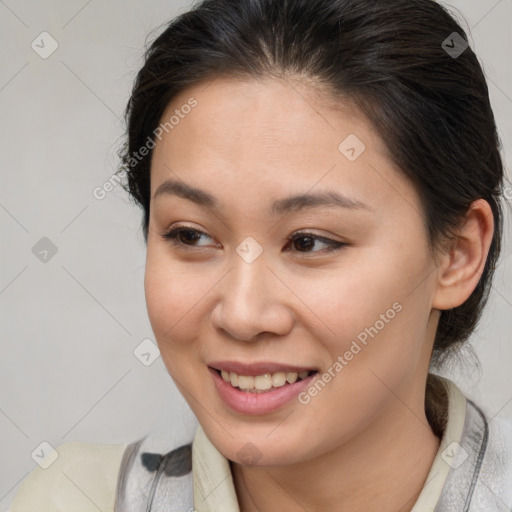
(82, 477)
(496, 468)
(477, 456)
(151, 474)
(485, 461)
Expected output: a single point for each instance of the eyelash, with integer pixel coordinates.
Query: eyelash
(173, 234)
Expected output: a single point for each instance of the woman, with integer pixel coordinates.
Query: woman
(321, 184)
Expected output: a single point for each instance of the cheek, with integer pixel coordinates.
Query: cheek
(167, 310)
(376, 311)
(355, 296)
(157, 288)
(171, 294)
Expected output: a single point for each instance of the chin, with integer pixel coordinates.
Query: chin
(253, 446)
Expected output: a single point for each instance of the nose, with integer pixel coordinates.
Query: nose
(253, 300)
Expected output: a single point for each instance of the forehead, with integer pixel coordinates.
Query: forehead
(250, 111)
(274, 135)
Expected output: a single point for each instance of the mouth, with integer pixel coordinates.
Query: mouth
(263, 382)
(259, 388)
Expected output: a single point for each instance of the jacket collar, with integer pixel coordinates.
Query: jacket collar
(469, 474)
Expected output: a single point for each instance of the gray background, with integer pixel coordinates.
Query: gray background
(69, 325)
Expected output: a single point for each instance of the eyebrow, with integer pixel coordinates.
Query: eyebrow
(327, 198)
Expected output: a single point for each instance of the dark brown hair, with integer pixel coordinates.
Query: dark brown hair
(391, 58)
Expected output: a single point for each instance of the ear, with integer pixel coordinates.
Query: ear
(460, 268)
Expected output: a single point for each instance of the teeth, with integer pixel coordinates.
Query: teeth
(263, 382)
(259, 383)
(245, 382)
(292, 377)
(278, 379)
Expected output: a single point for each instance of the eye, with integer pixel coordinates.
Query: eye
(310, 239)
(187, 237)
(182, 235)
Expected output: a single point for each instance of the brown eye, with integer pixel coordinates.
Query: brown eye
(182, 235)
(305, 241)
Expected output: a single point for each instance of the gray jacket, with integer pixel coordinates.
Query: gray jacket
(479, 477)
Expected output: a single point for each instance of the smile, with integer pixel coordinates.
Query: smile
(259, 388)
(264, 382)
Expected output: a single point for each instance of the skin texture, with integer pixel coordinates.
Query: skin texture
(363, 442)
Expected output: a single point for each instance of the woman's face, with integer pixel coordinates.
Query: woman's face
(349, 300)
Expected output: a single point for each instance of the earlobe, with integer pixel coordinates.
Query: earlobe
(460, 268)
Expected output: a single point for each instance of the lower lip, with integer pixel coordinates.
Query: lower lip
(258, 403)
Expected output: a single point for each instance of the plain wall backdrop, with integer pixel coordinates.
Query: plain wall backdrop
(71, 271)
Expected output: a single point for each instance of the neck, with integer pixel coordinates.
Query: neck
(383, 468)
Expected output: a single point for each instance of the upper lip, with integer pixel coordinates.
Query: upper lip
(257, 368)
